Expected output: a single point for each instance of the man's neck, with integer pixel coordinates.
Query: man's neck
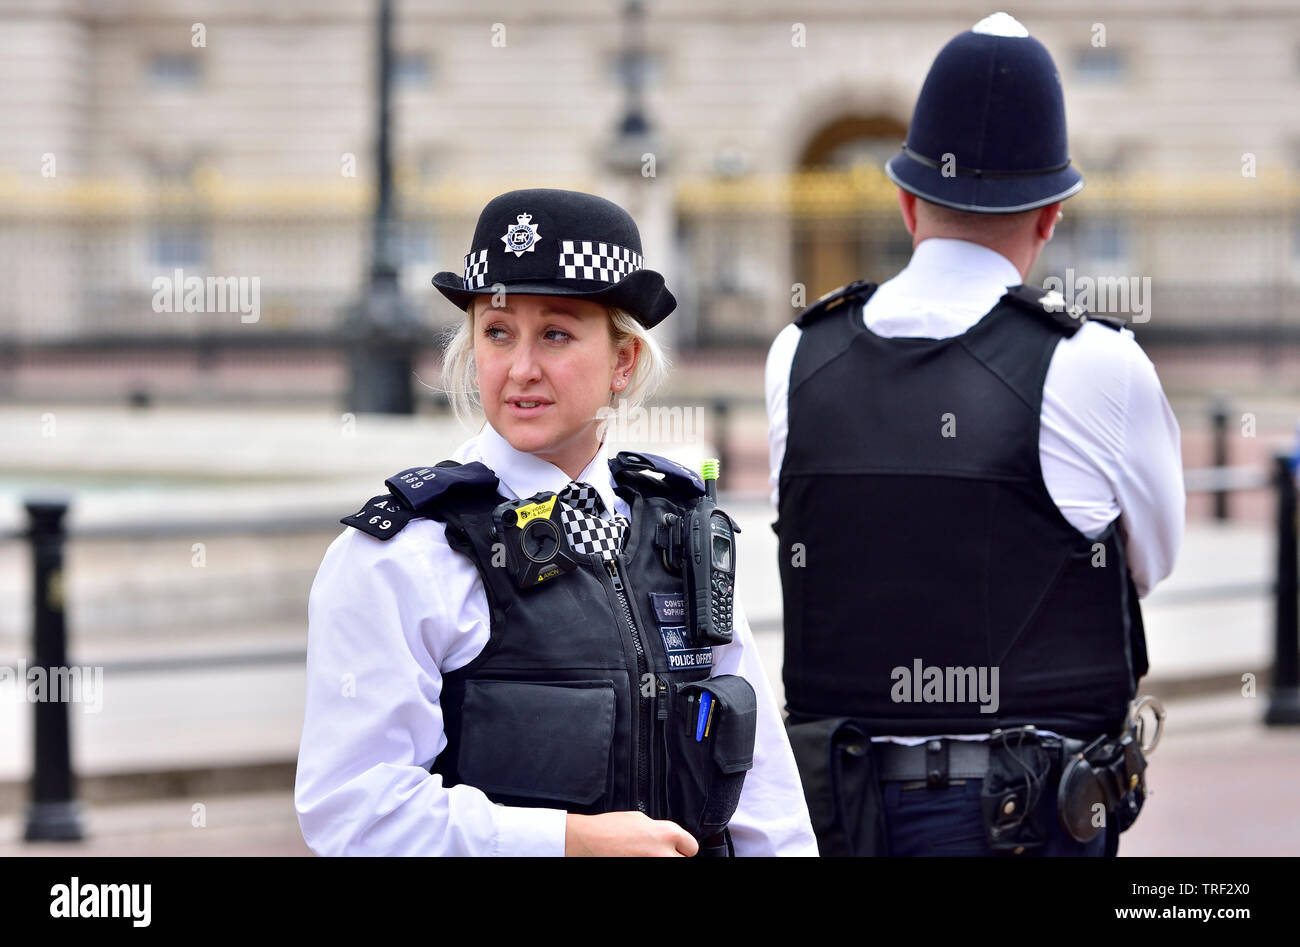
(1014, 252)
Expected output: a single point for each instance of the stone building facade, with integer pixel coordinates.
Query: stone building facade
(235, 138)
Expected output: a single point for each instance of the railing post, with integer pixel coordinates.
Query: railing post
(1284, 699)
(54, 814)
(1219, 423)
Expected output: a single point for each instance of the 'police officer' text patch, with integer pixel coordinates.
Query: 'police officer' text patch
(670, 616)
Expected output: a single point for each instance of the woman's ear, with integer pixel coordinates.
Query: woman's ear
(627, 357)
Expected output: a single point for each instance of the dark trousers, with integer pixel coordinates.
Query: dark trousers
(948, 822)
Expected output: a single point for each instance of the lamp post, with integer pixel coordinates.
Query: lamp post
(634, 154)
(634, 137)
(381, 330)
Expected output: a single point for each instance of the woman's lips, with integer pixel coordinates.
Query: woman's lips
(521, 412)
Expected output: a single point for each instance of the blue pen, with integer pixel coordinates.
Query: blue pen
(706, 703)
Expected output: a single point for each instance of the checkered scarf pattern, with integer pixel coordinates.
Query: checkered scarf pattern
(589, 259)
(580, 512)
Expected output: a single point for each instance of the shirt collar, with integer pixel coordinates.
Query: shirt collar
(524, 474)
(943, 268)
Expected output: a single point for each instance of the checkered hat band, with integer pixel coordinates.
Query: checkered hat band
(476, 269)
(592, 260)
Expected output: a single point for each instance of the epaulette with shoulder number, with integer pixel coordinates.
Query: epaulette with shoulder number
(414, 493)
(1110, 322)
(834, 299)
(1051, 305)
(669, 476)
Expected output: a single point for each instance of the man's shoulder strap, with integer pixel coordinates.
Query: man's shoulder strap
(422, 492)
(1050, 306)
(857, 291)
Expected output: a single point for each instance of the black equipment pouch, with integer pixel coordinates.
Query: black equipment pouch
(1016, 801)
(1107, 778)
(708, 752)
(836, 761)
(1130, 804)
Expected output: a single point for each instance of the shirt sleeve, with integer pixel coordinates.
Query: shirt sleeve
(1110, 447)
(377, 629)
(772, 816)
(1150, 490)
(776, 384)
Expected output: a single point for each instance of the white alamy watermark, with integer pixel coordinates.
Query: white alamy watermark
(181, 293)
(103, 900)
(945, 685)
(1125, 295)
(677, 425)
(38, 685)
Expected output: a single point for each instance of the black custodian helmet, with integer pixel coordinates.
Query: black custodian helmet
(988, 133)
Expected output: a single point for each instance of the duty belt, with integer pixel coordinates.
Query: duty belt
(1086, 777)
(1029, 779)
(935, 762)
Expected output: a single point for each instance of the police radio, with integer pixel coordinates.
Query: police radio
(709, 562)
(536, 545)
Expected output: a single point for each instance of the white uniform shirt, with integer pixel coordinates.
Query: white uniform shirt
(386, 620)
(1108, 443)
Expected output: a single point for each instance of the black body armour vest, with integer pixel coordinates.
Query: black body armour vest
(930, 583)
(584, 698)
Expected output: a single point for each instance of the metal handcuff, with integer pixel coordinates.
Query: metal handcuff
(1139, 723)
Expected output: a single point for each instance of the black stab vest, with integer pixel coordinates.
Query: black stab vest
(919, 544)
(569, 704)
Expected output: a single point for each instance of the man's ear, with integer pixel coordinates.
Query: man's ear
(1045, 224)
(907, 204)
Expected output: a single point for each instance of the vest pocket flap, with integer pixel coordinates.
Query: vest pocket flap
(710, 745)
(542, 740)
(732, 738)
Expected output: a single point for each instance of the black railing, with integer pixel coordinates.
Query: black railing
(54, 814)
(1284, 699)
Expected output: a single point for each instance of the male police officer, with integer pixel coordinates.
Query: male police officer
(975, 487)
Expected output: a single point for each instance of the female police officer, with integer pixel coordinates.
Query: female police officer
(495, 665)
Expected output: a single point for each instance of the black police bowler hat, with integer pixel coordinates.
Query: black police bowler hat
(547, 242)
(988, 133)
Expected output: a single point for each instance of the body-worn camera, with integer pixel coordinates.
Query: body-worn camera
(536, 547)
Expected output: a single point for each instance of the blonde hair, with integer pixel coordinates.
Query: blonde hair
(460, 373)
